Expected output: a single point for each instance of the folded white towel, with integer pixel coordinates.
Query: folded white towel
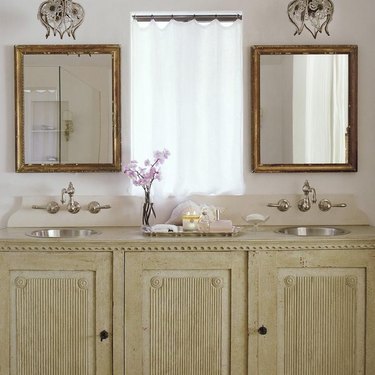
(164, 228)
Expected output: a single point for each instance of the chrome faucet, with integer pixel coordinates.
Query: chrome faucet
(73, 206)
(304, 204)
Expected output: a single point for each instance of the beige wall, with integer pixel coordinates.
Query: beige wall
(265, 22)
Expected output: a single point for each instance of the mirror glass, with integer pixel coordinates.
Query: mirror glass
(67, 108)
(304, 108)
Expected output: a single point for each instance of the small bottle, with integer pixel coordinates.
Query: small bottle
(204, 222)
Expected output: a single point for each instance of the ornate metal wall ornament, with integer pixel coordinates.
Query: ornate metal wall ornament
(314, 15)
(61, 16)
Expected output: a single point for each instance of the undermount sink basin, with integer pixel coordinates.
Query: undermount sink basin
(62, 233)
(313, 231)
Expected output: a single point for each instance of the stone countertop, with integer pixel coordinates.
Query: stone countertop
(132, 239)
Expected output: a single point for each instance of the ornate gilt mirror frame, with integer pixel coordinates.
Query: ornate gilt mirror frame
(113, 163)
(259, 166)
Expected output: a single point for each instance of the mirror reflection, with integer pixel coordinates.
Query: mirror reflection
(68, 108)
(304, 108)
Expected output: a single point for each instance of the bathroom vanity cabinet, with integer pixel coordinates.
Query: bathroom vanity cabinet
(54, 308)
(262, 304)
(318, 307)
(186, 313)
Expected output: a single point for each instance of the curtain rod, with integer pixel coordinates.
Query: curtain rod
(187, 17)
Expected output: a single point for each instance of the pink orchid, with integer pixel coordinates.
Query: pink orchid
(145, 175)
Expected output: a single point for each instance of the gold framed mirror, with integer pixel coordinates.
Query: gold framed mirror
(67, 100)
(304, 108)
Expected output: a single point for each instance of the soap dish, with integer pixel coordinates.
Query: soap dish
(255, 220)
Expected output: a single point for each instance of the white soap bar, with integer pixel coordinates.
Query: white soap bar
(256, 218)
(224, 226)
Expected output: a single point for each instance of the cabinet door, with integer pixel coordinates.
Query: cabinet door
(53, 308)
(313, 305)
(185, 313)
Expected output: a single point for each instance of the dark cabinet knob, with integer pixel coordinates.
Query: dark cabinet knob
(103, 335)
(262, 330)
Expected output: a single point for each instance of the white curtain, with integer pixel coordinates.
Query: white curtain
(325, 112)
(187, 96)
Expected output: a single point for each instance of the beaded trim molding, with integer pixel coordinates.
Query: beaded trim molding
(289, 246)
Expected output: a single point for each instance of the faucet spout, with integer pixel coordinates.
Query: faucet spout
(305, 204)
(73, 206)
(313, 199)
(63, 192)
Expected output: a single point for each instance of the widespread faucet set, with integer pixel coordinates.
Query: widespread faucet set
(306, 202)
(73, 206)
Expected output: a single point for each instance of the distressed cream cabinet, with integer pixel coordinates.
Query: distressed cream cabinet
(318, 307)
(248, 305)
(186, 313)
(54, 308)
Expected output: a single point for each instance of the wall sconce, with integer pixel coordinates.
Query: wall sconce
(68, 121)
(61, 16)
(314, 15)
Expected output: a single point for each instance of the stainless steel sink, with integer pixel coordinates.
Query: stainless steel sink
(62, 233)
(313, 231)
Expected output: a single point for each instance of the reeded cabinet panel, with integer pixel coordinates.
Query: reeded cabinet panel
(314, 307)
(320, 318)
(56, 311)
(185, 314)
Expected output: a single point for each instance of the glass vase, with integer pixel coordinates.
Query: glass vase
(148, 209)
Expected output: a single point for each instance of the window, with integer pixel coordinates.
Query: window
(187, 96)
(320, 102)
